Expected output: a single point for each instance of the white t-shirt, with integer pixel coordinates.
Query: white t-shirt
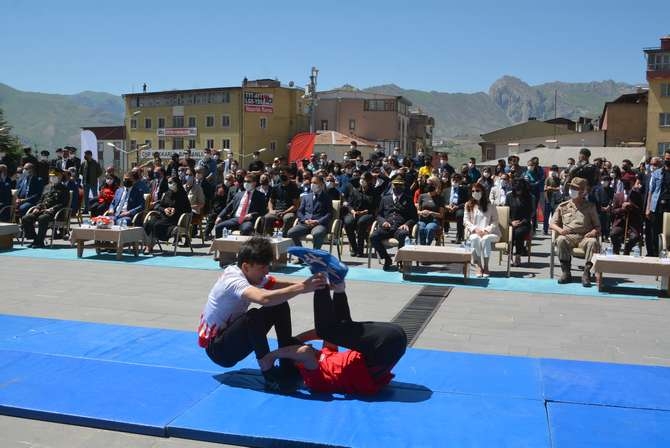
(225, 303)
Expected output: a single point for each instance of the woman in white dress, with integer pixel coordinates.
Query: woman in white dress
(480, 220)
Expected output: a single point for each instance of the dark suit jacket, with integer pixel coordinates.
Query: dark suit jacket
(319, 208)
(463, 196)
(619, 214)
(397, 214)
(135, 201)
(31, 190)
(257, 205)
(162, 187)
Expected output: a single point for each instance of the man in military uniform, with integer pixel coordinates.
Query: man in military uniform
(577, 224)
(55, 197)
(395, 219)
(584, 169)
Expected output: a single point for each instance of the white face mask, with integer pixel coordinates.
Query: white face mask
(476, 195)
(248, 186)
(53, 180)
(172, 187)
(574, 194)
(329, 184)
(487, 175)
(316, 189)
(605, 183)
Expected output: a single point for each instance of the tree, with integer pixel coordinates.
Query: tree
(8, 143)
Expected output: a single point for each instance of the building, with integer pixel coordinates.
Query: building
(382, 119)
(532, 134)
(559, 156)
(420, 133)
(624, 120)
(658, 109)
(258, 114)
(111, 155)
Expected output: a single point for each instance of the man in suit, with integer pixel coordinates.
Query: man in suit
(158, 185)
(455, 207)
(395, 219)
(627, 217)
(242, 211)
(284, 201)
(90, 172)
(655, 206)
(30, 189)
(55, 198)
(127, 202)
(314, 214)
(5, 194)
(43, 165)
(75, 161)
(28, 156)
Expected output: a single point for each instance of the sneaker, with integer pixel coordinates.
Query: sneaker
(321, 261)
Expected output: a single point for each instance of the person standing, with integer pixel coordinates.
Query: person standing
(658, 198)
(552, 196)
(90, 172)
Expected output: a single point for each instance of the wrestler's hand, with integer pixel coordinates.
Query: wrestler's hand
(267, 361)
(316, 281)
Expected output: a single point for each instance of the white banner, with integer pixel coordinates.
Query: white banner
(177, 132)
(89, 142)
(166, 154)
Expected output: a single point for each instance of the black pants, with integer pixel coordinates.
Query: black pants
(519, 235)
(457, 215)
(160, 229)
(357, 230)
(44, 219)
(381, 234)
(248, 333)
(617, 237)
(382, 344)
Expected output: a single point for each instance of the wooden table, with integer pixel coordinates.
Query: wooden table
(432, 254)
(7, 233)
(226, 249)
(626, 264)
(116, 236)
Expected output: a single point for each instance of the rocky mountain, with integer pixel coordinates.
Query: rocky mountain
(47, 121)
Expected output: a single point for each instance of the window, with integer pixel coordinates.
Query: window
(659, 62)
(161, 143)
(665, 89)
(210, 143)
(664, 119)
(352, 125)
(225, 98)
(178, 122)
(147, 123)
(379, 105)
(191, 143)
(324, 125)
(133, 123)
(225, 121)
(264, 123)
(161, 123)
(225, 143)
(192, 122)
(662, 147)
(178, 143)
(209, 121)
(133, 144)
(273, 145)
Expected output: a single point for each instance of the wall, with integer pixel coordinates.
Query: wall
(595, 138)
(626, 122)
(657, 104)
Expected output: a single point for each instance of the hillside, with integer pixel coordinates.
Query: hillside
(46, 121)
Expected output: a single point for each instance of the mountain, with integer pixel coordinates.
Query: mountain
(47, 121)
(521, 101)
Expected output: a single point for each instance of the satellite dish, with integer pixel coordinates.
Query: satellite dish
(291, 83)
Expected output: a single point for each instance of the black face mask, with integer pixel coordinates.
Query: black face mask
(283, 178)
(430, 188)
(667, 163)
(127, 183)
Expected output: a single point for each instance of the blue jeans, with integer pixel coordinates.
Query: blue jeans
(427, 232)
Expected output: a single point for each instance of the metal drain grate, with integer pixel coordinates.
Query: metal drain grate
(414, 317)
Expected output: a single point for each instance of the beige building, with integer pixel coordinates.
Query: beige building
(420, 133)
(658, 109)
(382, 119)
(624, 120)
(258, 114)
(524, 137)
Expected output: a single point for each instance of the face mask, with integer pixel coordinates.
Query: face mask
(666, 163)
(430, 188)
(53, 180)
(316, 189)
(574, 194)
(188, 178)
(554, 174)
(605, 183)
(504, 184)
(127, 183)
(248, 186)
(470, 165)
(172, 186)
(364, 183)
(265, 182)
(652, 168)
(109, 181)
(43, 158)
(329, 184)
(283, 178)
(476, 195)
(487, 175)
(199, 177)
(215, 157)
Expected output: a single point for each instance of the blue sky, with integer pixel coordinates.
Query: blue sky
(115, 46)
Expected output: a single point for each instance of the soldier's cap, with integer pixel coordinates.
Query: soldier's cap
(44, 153)
(398, 180)
(578, 182)
(585, 151)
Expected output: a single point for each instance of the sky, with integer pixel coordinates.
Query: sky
(448, 46)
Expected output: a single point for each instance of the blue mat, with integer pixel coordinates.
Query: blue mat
(624, 385)
(535, 286)
(101, 394)
(582, 426)
(395, 419)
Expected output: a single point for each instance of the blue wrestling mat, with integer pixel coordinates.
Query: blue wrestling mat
(159, 382)
(528, 285)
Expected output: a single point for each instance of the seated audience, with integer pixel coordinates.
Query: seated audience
(480, 219)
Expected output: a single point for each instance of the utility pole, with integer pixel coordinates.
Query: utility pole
(311, 93)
